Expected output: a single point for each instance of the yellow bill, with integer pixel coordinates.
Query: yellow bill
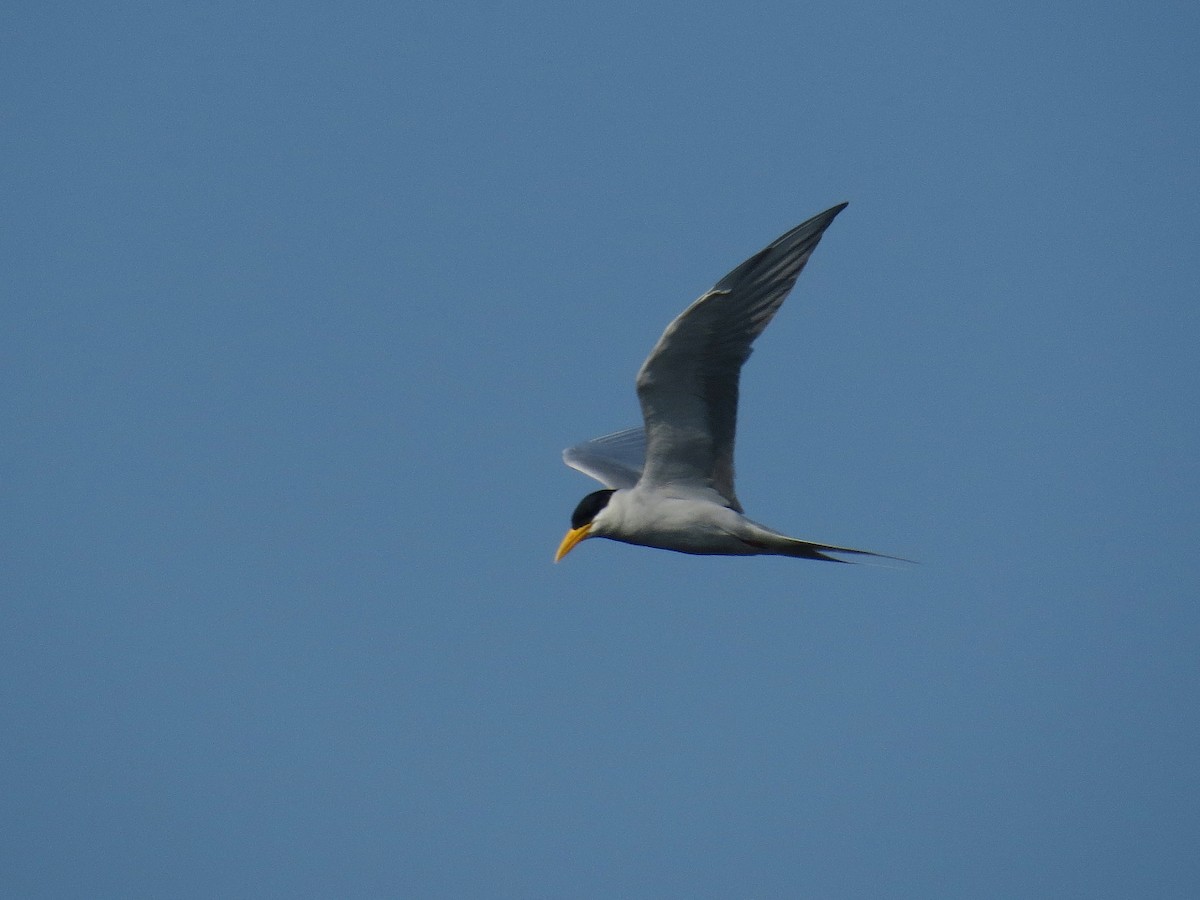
(574, 536)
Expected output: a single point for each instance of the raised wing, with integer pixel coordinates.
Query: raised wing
(688, 385)
(615, 460)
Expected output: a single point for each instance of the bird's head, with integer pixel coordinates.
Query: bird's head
(583, 519)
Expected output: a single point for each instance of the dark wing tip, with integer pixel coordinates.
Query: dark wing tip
(869, 553)
(797, 243)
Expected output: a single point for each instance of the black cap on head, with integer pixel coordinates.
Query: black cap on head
(589, 507)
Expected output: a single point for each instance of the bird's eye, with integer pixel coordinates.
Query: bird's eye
(589, 507)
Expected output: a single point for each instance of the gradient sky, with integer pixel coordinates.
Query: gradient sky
(302, 302)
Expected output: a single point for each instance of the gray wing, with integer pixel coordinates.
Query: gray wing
(615, 460)
(688, 385)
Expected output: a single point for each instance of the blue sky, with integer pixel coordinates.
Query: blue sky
(303, 302)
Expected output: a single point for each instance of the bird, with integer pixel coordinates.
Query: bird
(669, 483)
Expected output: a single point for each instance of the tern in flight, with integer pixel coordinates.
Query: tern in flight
(669, 484)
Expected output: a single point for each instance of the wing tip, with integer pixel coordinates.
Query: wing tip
(833, 210)
(869, 553)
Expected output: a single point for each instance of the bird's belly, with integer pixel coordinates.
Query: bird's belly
(678, 530)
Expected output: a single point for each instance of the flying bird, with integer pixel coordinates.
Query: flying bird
(669, 484)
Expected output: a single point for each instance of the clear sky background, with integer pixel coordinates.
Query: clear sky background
(302, 302)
